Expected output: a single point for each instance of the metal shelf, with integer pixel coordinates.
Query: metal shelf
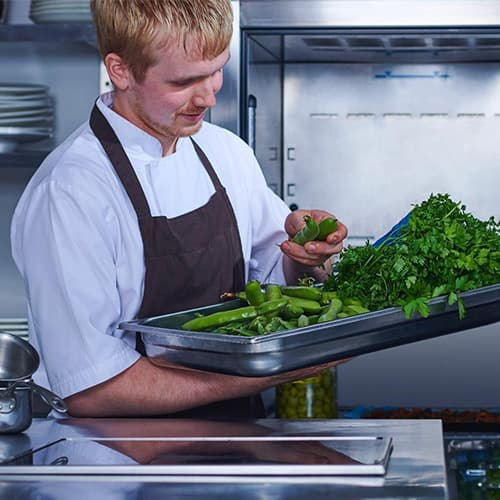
(40, 33)
(56, 32)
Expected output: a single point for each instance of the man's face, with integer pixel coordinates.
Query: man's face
(175, 94)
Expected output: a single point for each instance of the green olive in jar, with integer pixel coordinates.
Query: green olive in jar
(313, 397)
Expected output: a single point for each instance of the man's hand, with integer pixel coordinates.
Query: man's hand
(312, 258)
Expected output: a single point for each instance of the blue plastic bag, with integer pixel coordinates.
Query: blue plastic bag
(393, 232)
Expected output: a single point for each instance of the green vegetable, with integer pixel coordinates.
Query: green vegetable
(303, 320)
(291, 311)
(309, 306)
(352, 302)
(254, 294)
(217, 319)
(271, 307)
(327, 297)
(309, 232)
(258, 325)
(303, 292)
(331, 311)
(355, 309)
(326, 226)
(443, 250)
(278, 324)
(273, 291)
(274, 314)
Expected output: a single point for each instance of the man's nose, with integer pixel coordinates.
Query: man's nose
(205, 93)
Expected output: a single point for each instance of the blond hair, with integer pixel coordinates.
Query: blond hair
(134, 28)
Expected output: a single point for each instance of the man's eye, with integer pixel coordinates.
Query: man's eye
(184, 83)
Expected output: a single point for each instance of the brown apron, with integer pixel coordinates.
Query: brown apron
(190, 260)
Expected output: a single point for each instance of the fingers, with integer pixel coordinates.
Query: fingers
(299, 253)
(312, 253)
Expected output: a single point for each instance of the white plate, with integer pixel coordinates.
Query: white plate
(12, 99)
(50, 10)
(62, 18)
(35, 121)
(22, 88)
(64, 5)
(21, 106)
(18, 105)
(39, 113)
(60, 7)
(60, 3)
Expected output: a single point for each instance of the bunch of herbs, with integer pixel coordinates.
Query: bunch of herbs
(442, 250)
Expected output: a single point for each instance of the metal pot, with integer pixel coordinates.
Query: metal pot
(15, 410)
(18, 361)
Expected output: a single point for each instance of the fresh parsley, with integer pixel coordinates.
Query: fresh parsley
(442, 250)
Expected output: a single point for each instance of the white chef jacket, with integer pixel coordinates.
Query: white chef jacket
(77, 244)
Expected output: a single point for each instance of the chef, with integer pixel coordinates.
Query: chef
(144, 210)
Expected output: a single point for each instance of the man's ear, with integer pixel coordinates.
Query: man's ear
(118, 71)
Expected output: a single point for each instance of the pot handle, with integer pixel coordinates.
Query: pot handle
(53, 400)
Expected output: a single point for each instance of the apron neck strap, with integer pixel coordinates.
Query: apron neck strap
(120, 161)
(208, 166)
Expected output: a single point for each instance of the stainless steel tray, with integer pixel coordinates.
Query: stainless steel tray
(166, 343)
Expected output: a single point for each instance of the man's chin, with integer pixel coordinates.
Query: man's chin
(181, 131)
(190, 130)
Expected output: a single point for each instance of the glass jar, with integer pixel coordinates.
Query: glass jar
(313, 397)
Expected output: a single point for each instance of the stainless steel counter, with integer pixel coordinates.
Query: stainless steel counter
(416, 468)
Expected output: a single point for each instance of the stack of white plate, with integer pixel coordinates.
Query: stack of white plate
(60, 11)
(26, 114)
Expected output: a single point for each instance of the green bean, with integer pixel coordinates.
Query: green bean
(291, 311)
(277, 324)
(331, 312)
(302, 320)
(326, 226)
(258, 325)
(303, 292)
(313, 319)
(309, 306)
(308, 233)
(217, 319)
(273, 291)
(352, 302)
(271, 307)
(355, 309)
(254, 294)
